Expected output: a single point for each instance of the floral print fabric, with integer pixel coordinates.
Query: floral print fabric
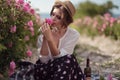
(63, 68)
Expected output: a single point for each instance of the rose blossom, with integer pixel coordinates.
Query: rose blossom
(29, 53)
(12, 68)
(27, 38)
(13, 29)
(32, 11)
(30, 23)
(49, 21)
(12, 65)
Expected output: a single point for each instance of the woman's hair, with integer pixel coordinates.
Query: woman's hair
(67, 19)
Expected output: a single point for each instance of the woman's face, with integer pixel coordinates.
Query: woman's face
(57, 17)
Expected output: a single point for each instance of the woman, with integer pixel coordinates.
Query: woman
(56, 44)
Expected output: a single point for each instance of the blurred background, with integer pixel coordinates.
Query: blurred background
(98, 22)
(43, 7)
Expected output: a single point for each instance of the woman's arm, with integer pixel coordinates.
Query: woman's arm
(44, 48)
(45, 28)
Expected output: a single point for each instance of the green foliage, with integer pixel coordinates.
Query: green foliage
(91, 9)
(18, 31)
(102, 78)
(115, 33)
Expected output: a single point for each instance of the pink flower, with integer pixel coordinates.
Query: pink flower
(13, 29)
(31, 29)
(107, 15)
(27, 4)
(95, 23)
(49, 21)
(29, 53)
(26, 38)
(112, 20)
(12, 68)
(109, 77)
(30, 23)
(20, 1)
(10, 72)
(8, 2)
(12, 65)
(104, 26)
(32, 11)
(26, 7)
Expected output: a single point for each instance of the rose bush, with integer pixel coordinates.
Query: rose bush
(100, 25)
(18, 31)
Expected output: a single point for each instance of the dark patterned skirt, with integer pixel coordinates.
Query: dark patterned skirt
(63, 68)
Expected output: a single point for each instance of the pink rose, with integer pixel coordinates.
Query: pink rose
(8, 2)
(27, 38)
(12, 68)
(10, 72)
(31, 29)
(32, 11)
(13, 29)
(49, 21)
(29, 53)
(20, 1)
(30, 23)
(12, 65)
(26, 7)
(109, 77)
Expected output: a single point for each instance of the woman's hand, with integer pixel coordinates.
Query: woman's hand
(45, 28)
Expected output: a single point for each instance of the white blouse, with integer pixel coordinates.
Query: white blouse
(66, 44)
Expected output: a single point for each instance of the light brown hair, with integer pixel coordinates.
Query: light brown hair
(67, 18)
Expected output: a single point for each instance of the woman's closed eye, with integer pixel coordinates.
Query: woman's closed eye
(57, 16)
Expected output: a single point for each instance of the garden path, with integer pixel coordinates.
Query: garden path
(103, 52)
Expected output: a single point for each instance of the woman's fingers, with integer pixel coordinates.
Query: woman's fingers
(45, 27)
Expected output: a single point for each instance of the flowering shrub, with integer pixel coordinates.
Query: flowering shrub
(100, 25)
(18, 31)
